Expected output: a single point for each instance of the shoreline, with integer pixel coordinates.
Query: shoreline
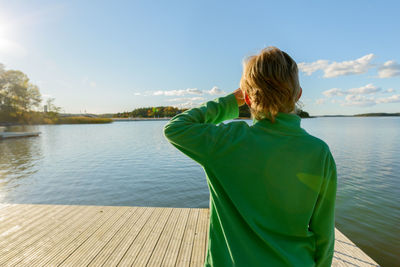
(9, 124)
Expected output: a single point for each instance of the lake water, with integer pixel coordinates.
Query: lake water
(130, 163)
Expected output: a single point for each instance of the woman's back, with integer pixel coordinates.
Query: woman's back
(272, 185)
(267, 183)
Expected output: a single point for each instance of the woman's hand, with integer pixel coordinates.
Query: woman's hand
(239, 97)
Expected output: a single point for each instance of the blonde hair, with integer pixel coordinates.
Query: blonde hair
(271, 81)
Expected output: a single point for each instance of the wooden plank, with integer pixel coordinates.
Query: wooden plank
(160, 249)
(6, 214)
(199, 245)
(347, 252)
(137, 244)
(176, 239)
(89, 249)
(49, 245)
(63, 243)
(11, 247)
(151, 240)
(339, 263)
(185, 250)
(109, 213)
(112, 245)
(23, 225)
(21, 215)
(130, 237)
(69, 217)
(3, 205)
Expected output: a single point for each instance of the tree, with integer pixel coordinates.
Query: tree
(303, 114)
(52, 110)
(51, 107)
(17, 94)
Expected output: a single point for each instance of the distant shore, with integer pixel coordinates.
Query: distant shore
(381, 114)
(94, 119)
(141, 119)
(159, 119)
(248, 118)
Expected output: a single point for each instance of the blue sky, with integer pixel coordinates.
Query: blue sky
(112, 56)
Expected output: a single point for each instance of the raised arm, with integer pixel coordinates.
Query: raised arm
(194, 131)
(323, 219)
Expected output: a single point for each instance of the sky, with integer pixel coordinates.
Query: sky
(115, 56)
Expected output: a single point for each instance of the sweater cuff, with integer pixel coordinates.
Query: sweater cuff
(232, 108)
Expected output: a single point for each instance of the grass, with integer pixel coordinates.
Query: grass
(81, 120)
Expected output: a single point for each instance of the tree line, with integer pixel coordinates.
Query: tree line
(150, 112)
(170, 111)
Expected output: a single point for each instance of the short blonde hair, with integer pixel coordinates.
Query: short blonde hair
(271, 80)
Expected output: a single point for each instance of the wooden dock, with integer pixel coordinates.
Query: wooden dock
(7, 135)
(74, 235)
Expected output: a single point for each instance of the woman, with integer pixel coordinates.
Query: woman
(272, 185)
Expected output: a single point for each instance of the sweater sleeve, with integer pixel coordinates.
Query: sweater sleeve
(195, 133)
(323, 219)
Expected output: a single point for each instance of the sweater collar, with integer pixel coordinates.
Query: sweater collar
(285, 123)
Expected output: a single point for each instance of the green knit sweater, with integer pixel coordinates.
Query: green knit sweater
(272, 186)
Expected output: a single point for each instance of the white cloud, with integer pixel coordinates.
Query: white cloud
(181, 92)
(189, 91)
(188, 104)
(196, 98)
(367, 89)
(194, 91)
(92, 84)
(358, 66)
(362, 96)
(389, 69)
(215, 91)
(158, 93)
(363, 90)
(390, 99)
(358, 100)
(333, 92)
(310, 68)
(335, 69)
(390, 90)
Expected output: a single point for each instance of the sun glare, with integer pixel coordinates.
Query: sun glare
(8, 44)
(4, 27)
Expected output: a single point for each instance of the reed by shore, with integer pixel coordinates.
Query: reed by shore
(82, 120)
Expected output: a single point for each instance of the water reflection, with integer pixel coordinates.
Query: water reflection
(367, 154)
(19, 162)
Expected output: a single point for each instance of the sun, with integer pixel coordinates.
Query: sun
(5, 28)
(8, 45)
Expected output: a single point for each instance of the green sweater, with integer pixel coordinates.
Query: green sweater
(272, 186)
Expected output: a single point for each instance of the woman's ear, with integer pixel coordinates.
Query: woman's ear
(301, 91)
(247, 99)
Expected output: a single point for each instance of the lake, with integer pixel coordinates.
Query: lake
(130, 163)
